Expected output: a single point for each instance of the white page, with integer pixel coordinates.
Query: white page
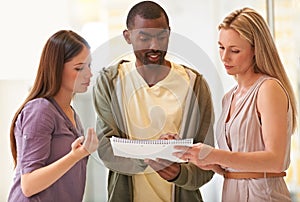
(151, 149)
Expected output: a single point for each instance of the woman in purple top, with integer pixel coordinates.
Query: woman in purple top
(47, 142)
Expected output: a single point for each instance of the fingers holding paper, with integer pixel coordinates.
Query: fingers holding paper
(169, 136)
(198, 154)
(168, 170)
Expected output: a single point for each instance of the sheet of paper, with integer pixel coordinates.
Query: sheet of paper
(151, 149)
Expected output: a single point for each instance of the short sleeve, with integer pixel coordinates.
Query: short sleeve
(36, 125)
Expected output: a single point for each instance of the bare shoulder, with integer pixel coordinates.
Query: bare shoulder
(272, 93)
(272, 87)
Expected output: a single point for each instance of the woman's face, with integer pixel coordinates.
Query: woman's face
(236, 53)
(77, 73)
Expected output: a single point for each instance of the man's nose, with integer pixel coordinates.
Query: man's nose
(154, 44)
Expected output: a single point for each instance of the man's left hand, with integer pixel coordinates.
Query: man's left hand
(168, 170)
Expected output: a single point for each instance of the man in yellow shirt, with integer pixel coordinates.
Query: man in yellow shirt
(152, 98)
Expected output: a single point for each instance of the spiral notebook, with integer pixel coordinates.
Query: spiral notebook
(150, 149)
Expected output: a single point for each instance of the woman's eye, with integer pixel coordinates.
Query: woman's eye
(79, 69)
(235, 51)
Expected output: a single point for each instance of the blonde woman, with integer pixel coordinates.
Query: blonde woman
(258, 115)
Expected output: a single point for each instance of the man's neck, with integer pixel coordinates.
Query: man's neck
(154, 73)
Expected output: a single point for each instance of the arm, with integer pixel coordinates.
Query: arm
(40, 179)
(271, 98)
(110, 123)
(36, 123)
(272, 105)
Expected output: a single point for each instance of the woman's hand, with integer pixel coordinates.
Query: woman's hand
(197, 154)
(91, 141)
(86, 145)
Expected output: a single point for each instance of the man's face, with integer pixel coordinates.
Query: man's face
(149, 38)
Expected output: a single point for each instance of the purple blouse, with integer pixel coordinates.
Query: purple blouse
(43, 135)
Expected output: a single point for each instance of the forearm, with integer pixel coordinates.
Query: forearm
(40, 179)
(260, 161)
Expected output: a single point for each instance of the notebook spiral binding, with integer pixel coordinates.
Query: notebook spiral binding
(130, 141)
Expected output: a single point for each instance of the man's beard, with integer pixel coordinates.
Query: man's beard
(146, 58)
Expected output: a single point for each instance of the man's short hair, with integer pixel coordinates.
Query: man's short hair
(146, 10)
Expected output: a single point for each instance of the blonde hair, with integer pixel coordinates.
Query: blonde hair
(252, 27)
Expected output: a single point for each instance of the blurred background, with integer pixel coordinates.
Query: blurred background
(26, 25)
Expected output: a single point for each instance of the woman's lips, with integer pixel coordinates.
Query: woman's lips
(228, 66)
(86, 83)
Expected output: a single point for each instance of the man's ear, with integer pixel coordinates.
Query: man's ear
(126, 35)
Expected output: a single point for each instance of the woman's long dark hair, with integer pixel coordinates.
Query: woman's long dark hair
(60, 48)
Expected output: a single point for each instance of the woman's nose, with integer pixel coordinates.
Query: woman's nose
(88, 73)
(224, 56)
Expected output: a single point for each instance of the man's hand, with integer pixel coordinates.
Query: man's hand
(169, 136)
(166, 169)
(214, 167)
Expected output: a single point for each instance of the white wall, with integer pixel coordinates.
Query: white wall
(25, 27)
(12, 93)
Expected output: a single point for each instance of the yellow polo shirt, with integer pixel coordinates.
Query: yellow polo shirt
(148, 113)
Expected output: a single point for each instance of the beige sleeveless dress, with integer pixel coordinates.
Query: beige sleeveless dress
(242, 133)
